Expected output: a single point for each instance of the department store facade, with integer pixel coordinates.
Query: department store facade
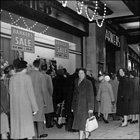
(73, 43)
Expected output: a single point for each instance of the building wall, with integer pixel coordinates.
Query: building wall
(45, 47)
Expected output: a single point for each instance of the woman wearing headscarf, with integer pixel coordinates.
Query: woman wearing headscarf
(106, 97)
(83, 102)
(22, 104)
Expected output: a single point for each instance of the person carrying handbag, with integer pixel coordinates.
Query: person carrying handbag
(83, 103)
(91, 124)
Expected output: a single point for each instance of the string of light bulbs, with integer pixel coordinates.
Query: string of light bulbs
(103, 17)
(15, 22)
(79, 7)
(94, 12)
(95, 15)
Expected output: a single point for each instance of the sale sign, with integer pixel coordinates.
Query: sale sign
(22, 40)
(61, 49)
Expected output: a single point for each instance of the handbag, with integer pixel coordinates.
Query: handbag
(91, 124)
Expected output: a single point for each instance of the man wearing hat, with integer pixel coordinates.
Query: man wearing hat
(22, 104)
(39, 86)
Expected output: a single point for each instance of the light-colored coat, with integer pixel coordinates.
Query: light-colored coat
(39, 86)
(49, 92)
(114, 83)
(105, 96)
(22, 105)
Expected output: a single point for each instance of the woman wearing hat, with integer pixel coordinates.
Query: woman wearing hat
(22, 104)
(106, 97)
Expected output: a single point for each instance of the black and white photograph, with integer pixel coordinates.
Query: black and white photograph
(70, 69)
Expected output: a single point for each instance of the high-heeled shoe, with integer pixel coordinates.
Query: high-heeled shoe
(106, 121)
(88, 136)
(129, 120)
(124, 125)
(136, 121)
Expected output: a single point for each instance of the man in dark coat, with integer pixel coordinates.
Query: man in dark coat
(68, 100)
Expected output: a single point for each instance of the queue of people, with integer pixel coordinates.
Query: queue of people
(30, 98)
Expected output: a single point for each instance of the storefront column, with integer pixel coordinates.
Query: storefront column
(91, 62)
(101, 48)
(123, 51)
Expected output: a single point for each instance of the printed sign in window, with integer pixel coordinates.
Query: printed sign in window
(22, 40)
(61, 49)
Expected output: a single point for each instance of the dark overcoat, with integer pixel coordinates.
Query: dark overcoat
(123, 96)
(83, 100)
(4, 103)
(134, 96)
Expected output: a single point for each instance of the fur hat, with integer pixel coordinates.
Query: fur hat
(101, 78)
(107, 78)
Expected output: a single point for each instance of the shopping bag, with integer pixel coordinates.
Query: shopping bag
(91, 124)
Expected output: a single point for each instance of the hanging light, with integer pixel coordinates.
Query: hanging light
(94, 12)
(64, 3)
(95, 15)
(103, 17)
(79, 7)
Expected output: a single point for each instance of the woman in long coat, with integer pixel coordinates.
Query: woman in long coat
(22, 104)
(106, 97)
(83, 102)
(123, 96)
(134, 96)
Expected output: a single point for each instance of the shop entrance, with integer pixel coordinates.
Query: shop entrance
(111, 57)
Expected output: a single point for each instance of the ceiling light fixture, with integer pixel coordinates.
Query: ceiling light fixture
(95, 15)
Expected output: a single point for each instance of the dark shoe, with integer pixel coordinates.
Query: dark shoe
(132, 122)
(43, 135)
(129, 120)
(89, 134)
(136, 121)
(106, 121)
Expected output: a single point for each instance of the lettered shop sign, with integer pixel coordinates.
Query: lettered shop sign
(61, 49)
(22, 40)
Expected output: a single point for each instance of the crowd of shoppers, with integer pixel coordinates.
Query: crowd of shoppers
(30, 96)
(128, 95)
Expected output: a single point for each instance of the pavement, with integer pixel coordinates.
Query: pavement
(112, 130)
